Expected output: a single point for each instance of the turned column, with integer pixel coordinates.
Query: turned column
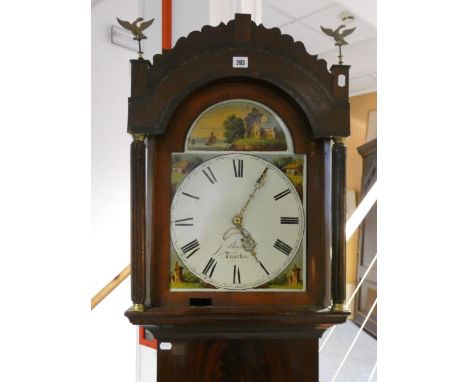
(138, 219)
(339, 224)
(340, 88)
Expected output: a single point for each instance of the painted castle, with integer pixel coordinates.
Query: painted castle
(253, 126)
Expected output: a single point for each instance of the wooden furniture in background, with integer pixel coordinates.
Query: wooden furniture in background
(368, 243)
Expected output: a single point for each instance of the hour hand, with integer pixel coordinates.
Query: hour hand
(248, 243)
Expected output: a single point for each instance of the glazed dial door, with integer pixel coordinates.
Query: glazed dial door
(236, 221)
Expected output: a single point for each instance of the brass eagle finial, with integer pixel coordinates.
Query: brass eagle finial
(137, 30)
(338, 37)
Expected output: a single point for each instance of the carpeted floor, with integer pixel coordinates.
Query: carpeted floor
(360, 362)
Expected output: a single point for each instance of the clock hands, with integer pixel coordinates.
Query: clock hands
(261, 179)
(248, 243)
(237, 220)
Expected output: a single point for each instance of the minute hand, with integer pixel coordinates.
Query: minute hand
(261, 179)
(259, 183)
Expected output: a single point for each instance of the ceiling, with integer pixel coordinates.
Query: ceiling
(302, 20)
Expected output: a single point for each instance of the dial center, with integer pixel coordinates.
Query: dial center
(237, 220)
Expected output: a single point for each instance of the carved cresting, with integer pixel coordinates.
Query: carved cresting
(138, 206)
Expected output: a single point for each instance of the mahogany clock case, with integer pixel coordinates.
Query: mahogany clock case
(168, 95)
(159, 197)
(245, 335)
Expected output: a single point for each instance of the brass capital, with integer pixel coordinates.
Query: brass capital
(137, 308)
(139, 137)
(340, 140)
(341, 308)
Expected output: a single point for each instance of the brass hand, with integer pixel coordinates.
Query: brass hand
(248, 243)
(237, 220)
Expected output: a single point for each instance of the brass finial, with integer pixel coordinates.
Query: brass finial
(338, 37)
(137, 31)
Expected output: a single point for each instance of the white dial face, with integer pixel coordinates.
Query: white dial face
(236, 221)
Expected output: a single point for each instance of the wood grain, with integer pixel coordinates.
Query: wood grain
(236, 322)
(205, 57)
(338, 223)
(318, 209)
(239, 361)
(138, 221)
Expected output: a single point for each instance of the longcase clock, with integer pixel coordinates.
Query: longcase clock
(238, 187)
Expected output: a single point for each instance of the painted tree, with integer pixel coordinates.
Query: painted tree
(194, 162)
(233, 128)
(282, 161)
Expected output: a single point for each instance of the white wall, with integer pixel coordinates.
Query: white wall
(146, 367)
(188, 16)
(223, 11)
(152, 46)
(113, 344)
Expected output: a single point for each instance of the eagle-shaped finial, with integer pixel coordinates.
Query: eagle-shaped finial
(338, 36)
(137, 28)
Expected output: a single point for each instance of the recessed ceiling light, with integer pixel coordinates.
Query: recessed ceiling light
(346, 17)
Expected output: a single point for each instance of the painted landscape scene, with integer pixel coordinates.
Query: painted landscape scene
(237, 126)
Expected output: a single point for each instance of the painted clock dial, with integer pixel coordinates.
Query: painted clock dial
(237, 221)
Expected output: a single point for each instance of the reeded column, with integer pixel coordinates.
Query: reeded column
(138, 221)
(338, 205)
